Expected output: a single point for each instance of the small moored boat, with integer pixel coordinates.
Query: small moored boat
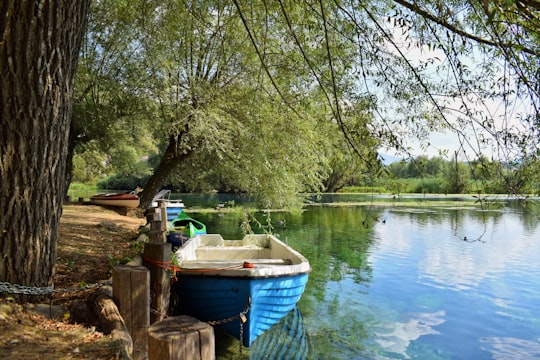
(118, 200)
(173, 207)
(182, 228)
(244, 286)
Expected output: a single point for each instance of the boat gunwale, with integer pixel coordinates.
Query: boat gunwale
(238, 271)
(116, 200)
(110, 195)
(234, 268)
(247, 277)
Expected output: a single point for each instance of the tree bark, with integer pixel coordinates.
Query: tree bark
(168, 163)
(39, 48)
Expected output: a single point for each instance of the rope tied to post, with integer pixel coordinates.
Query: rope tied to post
(169, 265)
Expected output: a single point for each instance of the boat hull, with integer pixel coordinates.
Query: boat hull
(173, 210)
(116, 200)
(173, 207)
(264, 301)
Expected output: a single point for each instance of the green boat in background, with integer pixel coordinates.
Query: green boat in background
(182, 228)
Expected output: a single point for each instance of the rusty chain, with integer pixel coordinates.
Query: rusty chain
(241, 316)
(9, 288)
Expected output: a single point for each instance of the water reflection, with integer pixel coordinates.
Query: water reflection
(287, 340)
(446, 260)
(396, 337)
(509, 348)
(399, 283)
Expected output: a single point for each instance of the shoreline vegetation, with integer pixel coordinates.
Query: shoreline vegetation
(375, 198)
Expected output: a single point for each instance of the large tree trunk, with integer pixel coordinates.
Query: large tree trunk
(40, 41)
(168, 163)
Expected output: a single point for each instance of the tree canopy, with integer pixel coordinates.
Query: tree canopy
(212, 82)
(270, 97)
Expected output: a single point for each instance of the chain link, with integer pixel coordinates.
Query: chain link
(9, 288)
(240, 347)
(26, 290)
(241, 316)
(232, 318)
(224, 321)
(162, 315)
(80, 288)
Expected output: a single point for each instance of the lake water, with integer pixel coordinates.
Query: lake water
(408, 282)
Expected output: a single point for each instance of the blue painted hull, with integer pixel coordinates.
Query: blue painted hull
(173, 212)
(217, 299)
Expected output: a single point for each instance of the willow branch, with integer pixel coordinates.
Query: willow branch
(261, 58)
(415, 8)
(337, 111)
(304, 55)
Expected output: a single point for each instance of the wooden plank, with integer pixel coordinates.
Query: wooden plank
(140, 310)
(181, 337)
(157, 225)
(122, 292)
(156, 234)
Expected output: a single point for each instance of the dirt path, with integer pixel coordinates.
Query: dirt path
(91, 240)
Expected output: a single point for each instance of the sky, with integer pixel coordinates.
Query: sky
(468, 148)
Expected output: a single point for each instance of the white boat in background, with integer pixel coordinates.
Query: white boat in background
(174, 207)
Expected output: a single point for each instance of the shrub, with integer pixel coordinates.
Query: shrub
(121, 182)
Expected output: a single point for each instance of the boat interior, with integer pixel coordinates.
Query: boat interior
(211, 251)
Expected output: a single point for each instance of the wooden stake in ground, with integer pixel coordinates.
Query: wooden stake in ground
(181, 337)
(131, 292)
(156, 256)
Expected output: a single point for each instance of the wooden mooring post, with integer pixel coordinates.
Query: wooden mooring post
(142, 296)
(156, 258)
(178, 337)
(181, 338)
(131, 293)
(154, 218)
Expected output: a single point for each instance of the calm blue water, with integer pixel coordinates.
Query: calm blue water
(402, 283)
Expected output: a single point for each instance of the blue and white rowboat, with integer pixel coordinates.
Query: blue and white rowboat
(173, 207)
(244, 286)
